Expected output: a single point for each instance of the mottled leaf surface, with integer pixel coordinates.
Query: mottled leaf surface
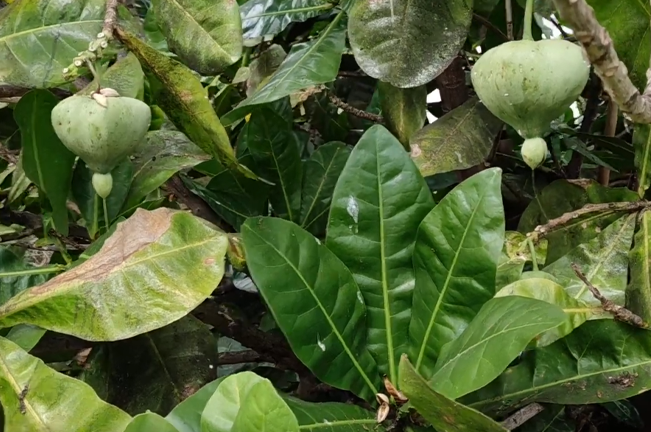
(443, 413)
(500, 331)
(460, 139)
(642, 147)
(155, 268)
(404, 110)
(638, 292)
(315, 302)
(455, 259)
(205, 34)
(407, 43)
(39, 39)
(378, 203)
(51, 401)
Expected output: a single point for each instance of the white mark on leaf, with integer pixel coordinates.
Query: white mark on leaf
(320, 344)
(353, 208)
(359, 297)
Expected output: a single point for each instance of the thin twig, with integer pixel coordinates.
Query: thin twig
(603, 173)
(10, 156)
(601, 52)
(559, 27)
(110, 18)
(489, 25)
(561, 221)
(355, 111)
(521, 416)
(509, 19)
(620, 313)
(232, 358)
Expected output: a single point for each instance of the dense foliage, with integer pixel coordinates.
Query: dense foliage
(324, 227)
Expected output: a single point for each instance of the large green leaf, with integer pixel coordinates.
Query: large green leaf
(39, 39)
(165, 365)
(601, 361)
(163, 154)
(407, 43)
(205, 34)
(35, 398)
(184, 100)
(186, 416)
(460, 139)
(246, 402)
(379, 200)
(308, 64)
(642, 146)
(456, 254)
(627, 23)
(563, 196)
(274, 147)
(443, 413)
(16, 275)
(638, 292)
(149, 422)
(125, 76)
(155, 268)
(332, 417)
(320, 174)
(549, 291)
(501, 330)
(404, 110)
(315, 302)
(603, 260)
(46, 161)
(26, 336)
(262, 18)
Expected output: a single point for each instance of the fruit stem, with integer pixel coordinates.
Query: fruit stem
(528, 17)
(95, 73)
(106, 218)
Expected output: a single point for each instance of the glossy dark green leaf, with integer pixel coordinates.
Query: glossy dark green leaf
(183, 99)
(443, 413)
(149, 422)
(153, 34)
(378, 202)
(460, 139)
(37, 40)
(331, 122)
(269, 17)
(638, 292)
(163, 154)
(642, 146)
(273, 146)
(17, 276)
(205, 34)
(308, 64)
(407, 43)
(155, 268)
(46, 161)
(563, 196)
(628, 25)
(186, 416)
(125, 76)
(404, 110)
(315, 302)
(576, 312)
(604, 262)
(320, 174)
(36, 398)
(500, 331)
(90, 204)
(332, 417)
(246, 402)
(625, 412)
(165, 366)
(601, 361)
(456, 255)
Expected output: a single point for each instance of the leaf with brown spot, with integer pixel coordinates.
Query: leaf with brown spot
(149, 273)
(184, 100)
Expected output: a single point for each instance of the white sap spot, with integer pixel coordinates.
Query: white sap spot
(459, 158)
(352, 208)
(359, 297)
(211, 366)
(506, 94)
(326, 421)
(317, 240)
(320, 344)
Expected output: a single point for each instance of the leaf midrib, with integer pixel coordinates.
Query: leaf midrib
(421, 353)
(323, 311)
(318, 191)
(44, 28)
(12, 381)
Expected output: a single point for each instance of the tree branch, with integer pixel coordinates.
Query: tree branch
(355, 111)
(601, 51)
(110, 18)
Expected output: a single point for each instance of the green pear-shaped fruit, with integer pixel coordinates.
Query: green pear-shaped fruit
(102, 129)
(528, 84)
(534, 152)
